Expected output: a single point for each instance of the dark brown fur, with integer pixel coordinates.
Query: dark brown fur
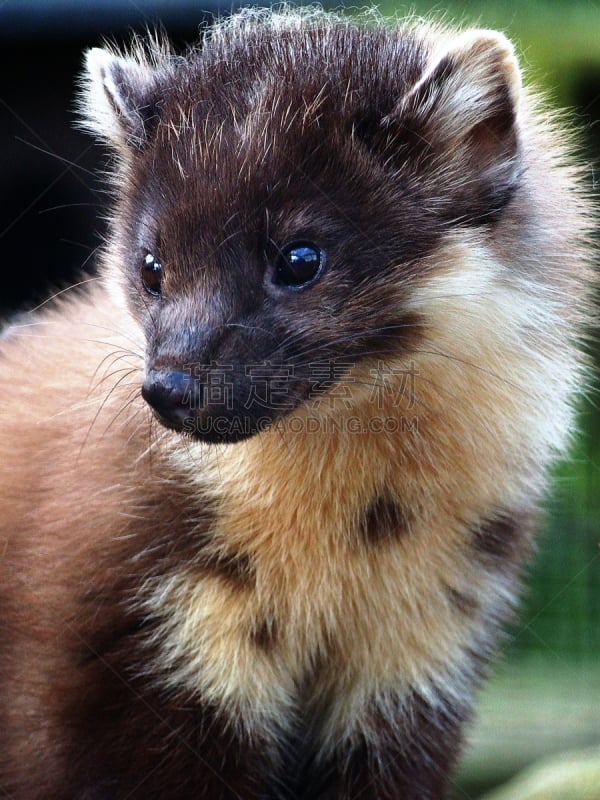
(383, 520)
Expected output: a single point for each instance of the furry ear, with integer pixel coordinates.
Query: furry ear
(119, 98)
(460, 123)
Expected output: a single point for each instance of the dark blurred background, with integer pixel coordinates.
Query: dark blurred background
(545, 696)
(50, 199)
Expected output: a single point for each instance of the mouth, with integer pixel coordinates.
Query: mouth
(215, 428)
(219, 429)
(218, 414)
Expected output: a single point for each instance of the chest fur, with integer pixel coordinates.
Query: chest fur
(344, 564)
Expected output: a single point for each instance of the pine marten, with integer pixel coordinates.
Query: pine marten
(269, 484)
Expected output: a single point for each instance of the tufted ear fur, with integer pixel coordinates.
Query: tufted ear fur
(459, 123)
(119, 98)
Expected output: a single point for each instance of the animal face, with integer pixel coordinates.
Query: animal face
(280, 202)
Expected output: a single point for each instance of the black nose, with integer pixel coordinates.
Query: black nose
(173, 395)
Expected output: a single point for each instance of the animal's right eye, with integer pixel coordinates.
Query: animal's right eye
(299, 264)
(151, 273)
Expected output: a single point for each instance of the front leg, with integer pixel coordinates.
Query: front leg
(141, 746)
(404, 750)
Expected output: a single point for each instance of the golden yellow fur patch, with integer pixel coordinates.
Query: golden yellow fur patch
(470, 433)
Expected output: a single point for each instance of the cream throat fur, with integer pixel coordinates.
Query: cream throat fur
(415, 464)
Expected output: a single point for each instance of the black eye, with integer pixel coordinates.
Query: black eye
(151, 272)
(298, 264)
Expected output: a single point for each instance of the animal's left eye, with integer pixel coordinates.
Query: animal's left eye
(151, 273)
(299, 264)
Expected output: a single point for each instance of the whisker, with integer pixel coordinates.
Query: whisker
(115, 331)
(62, 292)
(472, 365)
(66, 205)
(341, 340)
(68, 162)
(124, 370)
(133, 396)
(100, 409)
(116, 356)
(153, 442)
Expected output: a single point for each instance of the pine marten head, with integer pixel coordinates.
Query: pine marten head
(281, 191)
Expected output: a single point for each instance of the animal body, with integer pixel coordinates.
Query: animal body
(268, 484)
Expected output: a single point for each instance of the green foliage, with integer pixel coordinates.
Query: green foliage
(573, 776)
(557, 40)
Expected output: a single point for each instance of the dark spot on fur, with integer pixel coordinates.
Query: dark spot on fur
(264, 636)
(235, 568)
(464, 603)
(383, 520)
(503, 538)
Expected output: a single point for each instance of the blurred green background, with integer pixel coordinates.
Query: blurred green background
(544, 696)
